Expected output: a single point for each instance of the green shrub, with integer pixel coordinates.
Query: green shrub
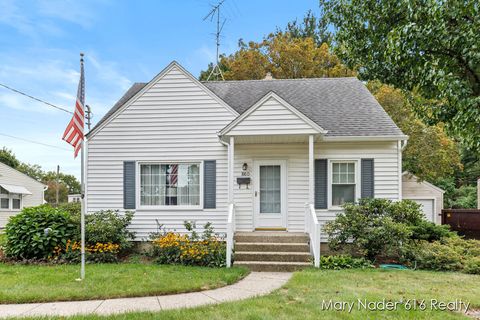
(338, 262)
(107, 226)
(436, 256)
(73, 208)
(208, 250)
(36, 231)
(381, 228)
(426, 230)
(472, 266)
(106, 237)
(449, 254)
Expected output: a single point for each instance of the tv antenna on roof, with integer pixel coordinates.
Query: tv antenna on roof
(216, 71)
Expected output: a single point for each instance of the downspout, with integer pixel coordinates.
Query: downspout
(401, 144)
(44, 189)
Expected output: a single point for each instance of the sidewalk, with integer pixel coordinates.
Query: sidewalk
(255, 284)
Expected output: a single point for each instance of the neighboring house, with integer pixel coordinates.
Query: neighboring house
(74, 197)
(17, 190)
(177, 149)
(426, 194)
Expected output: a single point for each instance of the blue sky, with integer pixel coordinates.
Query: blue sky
(124, 42)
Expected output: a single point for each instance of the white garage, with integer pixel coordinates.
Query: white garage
(424, 193)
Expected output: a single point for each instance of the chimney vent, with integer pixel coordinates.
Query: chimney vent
(268, 76)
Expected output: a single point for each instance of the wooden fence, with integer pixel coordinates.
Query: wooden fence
(465, 221)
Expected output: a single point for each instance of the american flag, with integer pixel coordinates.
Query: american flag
(73, 134)
(173, 175)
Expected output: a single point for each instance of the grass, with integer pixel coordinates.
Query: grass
(302, 296)
(42, 283)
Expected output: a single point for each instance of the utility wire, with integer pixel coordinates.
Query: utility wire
(32, 141)
(36, 99)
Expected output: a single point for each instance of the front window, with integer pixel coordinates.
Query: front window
(343, 183)
(174, 184)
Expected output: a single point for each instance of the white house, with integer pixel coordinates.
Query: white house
(74, 197)
(17, 190)
(275, 155)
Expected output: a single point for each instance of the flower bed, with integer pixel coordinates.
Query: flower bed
(208, 250)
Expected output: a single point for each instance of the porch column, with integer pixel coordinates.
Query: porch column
(231, 168)
(311, 178)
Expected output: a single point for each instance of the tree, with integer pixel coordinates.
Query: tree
(430, 154)
(311, 27)
(70, 181)
(51, 193)
(8, 157)
(31, 170)
(284, 55)
(430, 46)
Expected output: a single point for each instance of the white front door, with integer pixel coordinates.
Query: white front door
(270, 193)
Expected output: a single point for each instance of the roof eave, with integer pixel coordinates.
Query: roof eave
(364, 138)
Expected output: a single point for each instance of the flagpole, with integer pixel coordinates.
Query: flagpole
(82, 188)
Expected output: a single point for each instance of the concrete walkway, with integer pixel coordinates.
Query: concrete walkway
(255, 284)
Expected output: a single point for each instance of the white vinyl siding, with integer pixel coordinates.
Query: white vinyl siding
(174, 120)
(271, 118)
(386, 175)
(386, 167)
(11, 176)
(296, 156)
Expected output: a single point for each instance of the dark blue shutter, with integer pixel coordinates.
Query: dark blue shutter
(129, 184)
(367, 174)
(321, 184)
(210, 184)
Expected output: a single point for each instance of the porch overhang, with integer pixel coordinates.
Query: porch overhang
(271, 120)
(270, 138)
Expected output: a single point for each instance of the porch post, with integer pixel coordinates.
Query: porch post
(311, 180)
(231, 168)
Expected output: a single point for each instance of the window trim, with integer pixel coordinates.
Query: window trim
(10, 198)
(165, 208)
(330, 180)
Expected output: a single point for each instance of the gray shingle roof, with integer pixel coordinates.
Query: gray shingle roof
(342, 106)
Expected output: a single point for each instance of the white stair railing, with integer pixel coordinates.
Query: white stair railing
(230, 233)
(312, 227)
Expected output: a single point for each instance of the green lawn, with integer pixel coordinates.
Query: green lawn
(33, 283)
(301, 298)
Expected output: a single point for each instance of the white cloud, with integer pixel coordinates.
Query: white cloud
(74, 11)
(42, 18)
(11, 15)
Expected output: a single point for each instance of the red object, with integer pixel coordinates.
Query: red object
(73, 134)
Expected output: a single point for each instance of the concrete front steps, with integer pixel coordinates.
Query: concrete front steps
(272, 251)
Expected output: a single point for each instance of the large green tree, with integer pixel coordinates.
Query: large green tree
(430, 154)
(311, 26)
(431, 46)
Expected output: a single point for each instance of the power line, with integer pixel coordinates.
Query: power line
(34, 98)
(32, 141)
